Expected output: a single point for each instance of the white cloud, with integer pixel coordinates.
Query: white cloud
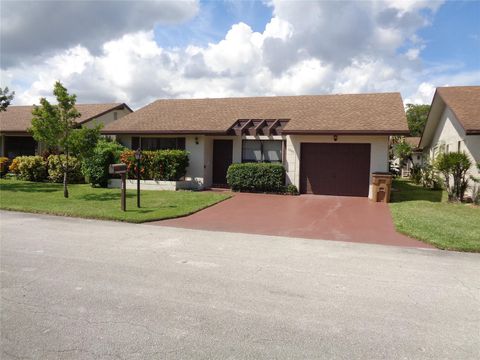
(306, 48)
(31, 30)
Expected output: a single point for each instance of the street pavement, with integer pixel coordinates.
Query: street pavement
(86, 289)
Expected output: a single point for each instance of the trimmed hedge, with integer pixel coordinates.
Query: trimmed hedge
(256, 177)
(55, 165)
(29, 168)
(170, 165)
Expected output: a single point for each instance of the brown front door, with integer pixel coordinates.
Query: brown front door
(222, 159)
(335, 169)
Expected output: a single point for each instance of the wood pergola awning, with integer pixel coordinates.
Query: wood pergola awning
(259, 126)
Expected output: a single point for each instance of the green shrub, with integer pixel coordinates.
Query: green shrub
(256, 177)
(291, 190)
(416, 174)
(3, 165)
(29, 168)
(95, 167)
(55, 169)
(170, 165)
(454, 165)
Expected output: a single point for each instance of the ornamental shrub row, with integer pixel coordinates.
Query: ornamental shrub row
(36, 168)
(169, 165)
(256, 177)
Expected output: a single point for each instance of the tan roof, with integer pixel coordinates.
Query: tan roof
(464, 101)
(413, 141)
(361, 113)
(18, 118)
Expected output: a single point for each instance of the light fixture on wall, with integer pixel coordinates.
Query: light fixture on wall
(335, 137)
(196, 140)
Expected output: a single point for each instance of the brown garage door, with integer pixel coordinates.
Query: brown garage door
(335, 169)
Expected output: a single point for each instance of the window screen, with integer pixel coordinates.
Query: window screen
(262, 151)
(161, 143)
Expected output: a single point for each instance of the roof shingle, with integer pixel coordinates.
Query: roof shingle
(19, 118)
(362, 113)
(464, 101)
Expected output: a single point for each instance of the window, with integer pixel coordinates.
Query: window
(262, 151)
(459, 146)
(151, 143)
(447, 149)
(115, 115)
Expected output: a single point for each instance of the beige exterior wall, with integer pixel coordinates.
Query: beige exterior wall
(378, 155)
(450, 136)
(201, 154)
(107, 118)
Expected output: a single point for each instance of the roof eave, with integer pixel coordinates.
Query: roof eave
(472, 132)
(346, 132)
(164, 132)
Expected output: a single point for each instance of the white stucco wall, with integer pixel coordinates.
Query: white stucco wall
(449, 134)
(378, 154)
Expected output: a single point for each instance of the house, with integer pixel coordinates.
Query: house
(416, 159)
(329, 144)
(453, 124)
(15, 140)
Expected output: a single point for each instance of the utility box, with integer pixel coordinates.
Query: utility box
(382, 187)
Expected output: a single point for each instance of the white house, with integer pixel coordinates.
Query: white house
(453, 124)
(328, 144)
(15, 140)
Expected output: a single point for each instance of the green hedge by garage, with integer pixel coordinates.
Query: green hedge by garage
(256, 177)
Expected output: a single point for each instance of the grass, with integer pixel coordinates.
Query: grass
(99, 203)
(426, 215)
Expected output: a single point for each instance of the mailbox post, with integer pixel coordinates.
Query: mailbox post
(138, 157)
(121, 169)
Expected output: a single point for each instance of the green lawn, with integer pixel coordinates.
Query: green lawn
(98, 203)
(426, 215)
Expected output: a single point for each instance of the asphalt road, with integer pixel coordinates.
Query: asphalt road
(81, 289)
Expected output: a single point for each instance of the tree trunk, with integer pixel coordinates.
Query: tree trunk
(65, 178)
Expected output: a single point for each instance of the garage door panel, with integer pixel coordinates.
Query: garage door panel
(335, 169)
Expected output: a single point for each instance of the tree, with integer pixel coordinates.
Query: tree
(54, 124)
(83, 141)
(403, 151)
(417, 118)
(454, 165)
(6, 98)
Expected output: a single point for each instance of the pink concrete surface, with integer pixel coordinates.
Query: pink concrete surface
(352, 219)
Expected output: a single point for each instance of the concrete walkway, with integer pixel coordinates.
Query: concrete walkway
(85, 289)
(352, 219)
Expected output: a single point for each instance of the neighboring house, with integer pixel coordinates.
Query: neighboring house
(329, 144)
(15, 140)
(453, 124)
(415, 159)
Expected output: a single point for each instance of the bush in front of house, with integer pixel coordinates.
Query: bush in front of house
(291, 189)
(55, 165)
(256, 177)
(29, 168)
(167, 165)
(95, 167)
(454, 165)
(3, 166)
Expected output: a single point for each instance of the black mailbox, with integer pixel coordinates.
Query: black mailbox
(117, 169)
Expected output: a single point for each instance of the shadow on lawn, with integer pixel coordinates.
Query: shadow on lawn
(407, 191)
(30, 187)
(107, 196)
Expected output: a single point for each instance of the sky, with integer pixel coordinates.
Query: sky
(140, 51)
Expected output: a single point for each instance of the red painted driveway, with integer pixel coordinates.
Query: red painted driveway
(307, 216)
